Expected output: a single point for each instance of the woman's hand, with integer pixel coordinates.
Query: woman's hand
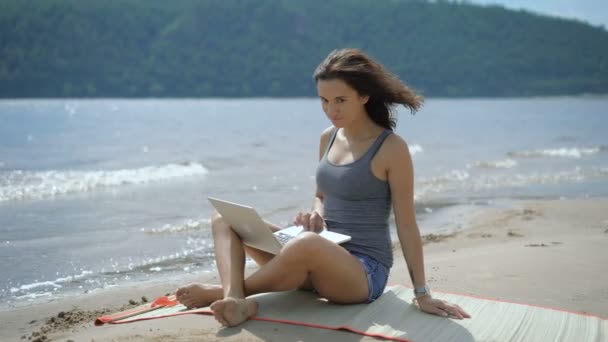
(441, 308)
(312, 221)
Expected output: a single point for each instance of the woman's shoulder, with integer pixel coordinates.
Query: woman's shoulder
(394, 151)
(395, 143)
(326, 134)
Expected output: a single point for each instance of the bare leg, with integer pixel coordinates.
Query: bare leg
(201, 295)
(337, 275)
(329, 268)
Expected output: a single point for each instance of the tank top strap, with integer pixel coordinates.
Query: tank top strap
(378, 143)
(334, 132)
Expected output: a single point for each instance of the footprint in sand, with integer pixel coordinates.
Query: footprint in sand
(514, 234)
(477, 235)
(537, 245)
(529, 214)
(543, 244)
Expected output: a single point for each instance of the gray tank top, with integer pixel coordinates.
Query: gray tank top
(357, 203)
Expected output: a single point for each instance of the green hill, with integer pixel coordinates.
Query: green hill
(201, 48)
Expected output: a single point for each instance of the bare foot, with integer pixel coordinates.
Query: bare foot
(231, 312)
(199, 295)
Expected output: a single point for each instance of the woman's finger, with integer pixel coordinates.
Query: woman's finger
(435, 310)
(441, 304)
(447, 307)
(315, 223)
(463, 313)
(456, 311)
(306, 221)
(298, 219)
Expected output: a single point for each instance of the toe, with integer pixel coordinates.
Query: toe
(217, 305)
(218, 317)
(186, 300)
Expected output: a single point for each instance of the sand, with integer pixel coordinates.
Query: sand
(543, 252)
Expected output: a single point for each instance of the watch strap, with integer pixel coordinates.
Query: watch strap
(422, 291)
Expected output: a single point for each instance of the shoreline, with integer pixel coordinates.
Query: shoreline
(548, 253)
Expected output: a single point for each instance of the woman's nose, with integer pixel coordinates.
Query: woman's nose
(333, 109)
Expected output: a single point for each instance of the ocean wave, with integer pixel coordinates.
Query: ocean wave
(57, 283)
(16, 185)
(501, 164)
(451, 176)
(425, 186)
(462, 181)
(188, 225)
(34, 295)
(564, 152)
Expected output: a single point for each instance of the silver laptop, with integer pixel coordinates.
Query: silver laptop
(254, 232)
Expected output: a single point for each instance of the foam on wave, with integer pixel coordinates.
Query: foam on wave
(16, 185)
(564, 152)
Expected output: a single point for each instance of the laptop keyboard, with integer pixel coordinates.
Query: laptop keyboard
(283, 238)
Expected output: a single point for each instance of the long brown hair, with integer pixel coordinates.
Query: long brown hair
(369, 78)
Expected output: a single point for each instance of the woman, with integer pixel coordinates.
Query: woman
(364, 169)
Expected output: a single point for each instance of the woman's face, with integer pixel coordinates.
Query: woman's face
(341, 103)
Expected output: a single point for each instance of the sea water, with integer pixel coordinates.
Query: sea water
(100, 193)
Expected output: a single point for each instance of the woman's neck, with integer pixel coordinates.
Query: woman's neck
(360, 130)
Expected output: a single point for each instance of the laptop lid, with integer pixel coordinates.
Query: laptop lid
(248, 224)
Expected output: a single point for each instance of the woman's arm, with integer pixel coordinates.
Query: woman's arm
(317, 203)
(401, 181)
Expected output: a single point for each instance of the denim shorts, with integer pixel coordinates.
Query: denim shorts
(377, 275)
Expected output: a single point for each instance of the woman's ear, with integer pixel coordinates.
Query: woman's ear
(364, 99)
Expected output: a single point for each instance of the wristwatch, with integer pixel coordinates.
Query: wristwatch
(422, 291)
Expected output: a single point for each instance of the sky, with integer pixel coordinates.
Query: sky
(594, 12)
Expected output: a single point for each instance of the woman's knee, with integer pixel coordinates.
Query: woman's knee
(218, 222)
(306, 244)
